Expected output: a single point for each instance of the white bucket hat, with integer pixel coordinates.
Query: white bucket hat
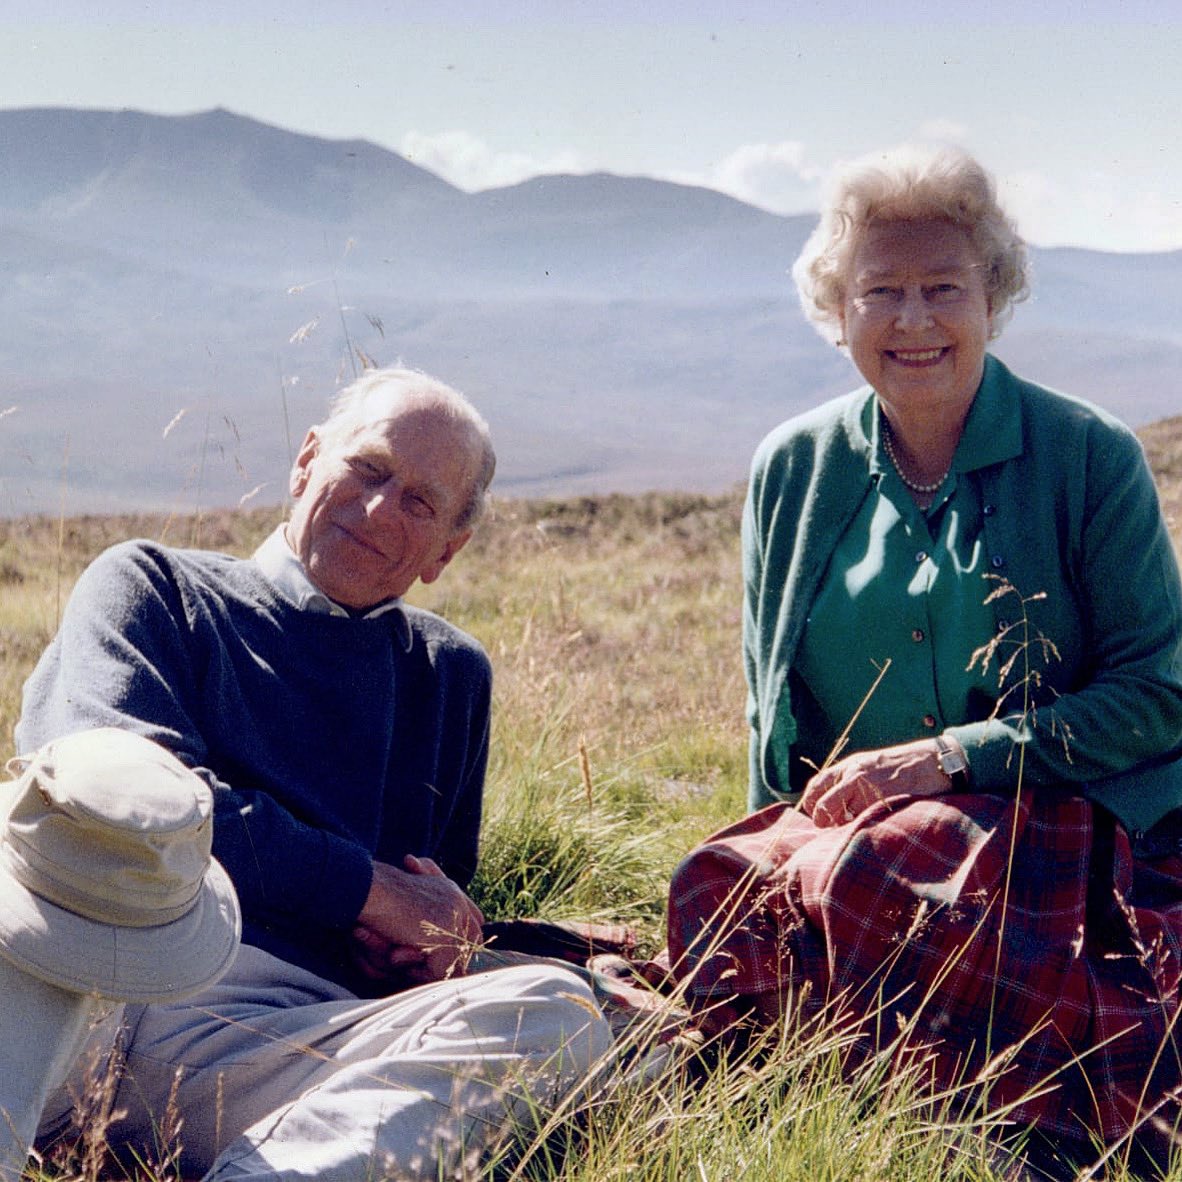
(107, 885)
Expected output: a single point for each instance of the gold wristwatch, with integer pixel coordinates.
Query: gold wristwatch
(952, 763)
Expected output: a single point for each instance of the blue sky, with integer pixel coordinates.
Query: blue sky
(1076, 107)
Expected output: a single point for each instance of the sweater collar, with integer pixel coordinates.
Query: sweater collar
(276, 559)
(992, 431)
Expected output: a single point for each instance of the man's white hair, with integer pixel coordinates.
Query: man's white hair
(413, 387)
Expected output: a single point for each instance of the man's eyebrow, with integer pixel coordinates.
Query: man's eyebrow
(439, 496)
(381, 456)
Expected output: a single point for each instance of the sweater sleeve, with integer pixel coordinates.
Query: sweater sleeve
(1126, 705)
(758, 793)
(763, 592)
(118, 659)
(808, 477)
(128, 655)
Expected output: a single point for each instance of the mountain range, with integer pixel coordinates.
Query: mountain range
(181, 295)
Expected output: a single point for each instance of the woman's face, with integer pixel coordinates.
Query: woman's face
(916, 315)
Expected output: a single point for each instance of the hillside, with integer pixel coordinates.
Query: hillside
(1163, 446)
(620, 333)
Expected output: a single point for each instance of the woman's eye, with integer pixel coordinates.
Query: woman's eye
(944, 293)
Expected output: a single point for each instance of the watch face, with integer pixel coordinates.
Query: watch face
(950, 760)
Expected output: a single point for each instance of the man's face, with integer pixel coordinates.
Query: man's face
(376, 507)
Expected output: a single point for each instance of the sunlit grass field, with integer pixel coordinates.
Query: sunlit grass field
(613, 627)
(619, 742)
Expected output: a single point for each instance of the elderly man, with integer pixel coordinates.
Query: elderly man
(345, 736)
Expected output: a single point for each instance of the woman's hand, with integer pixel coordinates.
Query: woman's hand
(843, 790)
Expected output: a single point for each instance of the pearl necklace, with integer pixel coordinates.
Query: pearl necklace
(924, 490)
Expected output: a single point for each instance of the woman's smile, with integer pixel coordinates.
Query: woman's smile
(916, 315)
(918, 358)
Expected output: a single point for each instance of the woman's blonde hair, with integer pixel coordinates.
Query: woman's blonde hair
(909, 184)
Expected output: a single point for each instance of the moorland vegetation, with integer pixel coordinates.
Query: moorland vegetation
(619, 742)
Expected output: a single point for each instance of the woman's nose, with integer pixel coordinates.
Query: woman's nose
(913, 311)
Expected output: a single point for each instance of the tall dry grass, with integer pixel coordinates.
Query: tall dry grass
(618, 743)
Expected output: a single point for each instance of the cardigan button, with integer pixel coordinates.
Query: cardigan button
(929, 721)
(921, 556)
(917, 635)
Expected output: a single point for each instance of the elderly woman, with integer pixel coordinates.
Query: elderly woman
(963, 644)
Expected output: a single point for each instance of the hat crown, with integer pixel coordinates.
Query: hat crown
(111, 827)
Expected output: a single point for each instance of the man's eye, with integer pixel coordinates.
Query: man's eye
(368, 471)
(418, 506)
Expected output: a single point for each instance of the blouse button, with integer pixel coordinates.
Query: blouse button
(1003, 625)
(989, 510)
(929, 721)
(917, 635)
(997, 562)
(921, 556)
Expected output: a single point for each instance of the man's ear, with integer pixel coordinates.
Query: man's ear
(302, 468)
(455, 544)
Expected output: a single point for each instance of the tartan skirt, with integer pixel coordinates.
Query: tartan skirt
(1016, 943)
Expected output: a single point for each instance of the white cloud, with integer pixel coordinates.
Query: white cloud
(1155, 219)
(470, 164)
(1094, 209)
(777, 176)
(1030, 198)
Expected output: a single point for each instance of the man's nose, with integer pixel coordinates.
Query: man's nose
(384, 500)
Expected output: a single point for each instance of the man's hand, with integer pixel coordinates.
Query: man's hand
(840, 792)
(416, 924)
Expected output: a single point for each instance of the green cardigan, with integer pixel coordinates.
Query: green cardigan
(1071, 522)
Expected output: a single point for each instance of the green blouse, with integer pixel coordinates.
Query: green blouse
(886, 653)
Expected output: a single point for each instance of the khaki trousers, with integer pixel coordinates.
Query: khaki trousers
(42, 1029)
(278, 1074)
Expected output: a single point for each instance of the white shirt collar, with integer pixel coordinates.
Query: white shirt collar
(278, 562)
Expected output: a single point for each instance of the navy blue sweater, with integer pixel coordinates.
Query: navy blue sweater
(328, 741)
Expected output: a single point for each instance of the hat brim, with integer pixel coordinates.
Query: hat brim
(159, 963)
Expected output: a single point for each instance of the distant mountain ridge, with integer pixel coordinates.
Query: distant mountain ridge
(620, 333)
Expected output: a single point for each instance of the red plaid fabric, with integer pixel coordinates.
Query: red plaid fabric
(981, 925)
